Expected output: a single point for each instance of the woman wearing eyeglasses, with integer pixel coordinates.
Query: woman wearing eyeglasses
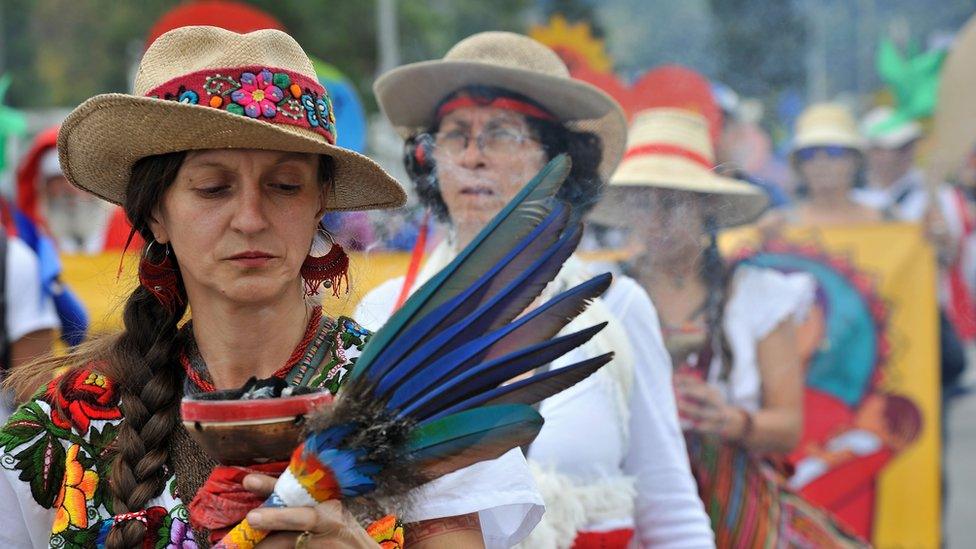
(610, 462)
(828, 161)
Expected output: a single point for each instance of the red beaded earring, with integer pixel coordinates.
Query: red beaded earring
(329, 270)
(161, 278)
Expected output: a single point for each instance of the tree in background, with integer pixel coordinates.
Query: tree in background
(760, 46)
(60, 52)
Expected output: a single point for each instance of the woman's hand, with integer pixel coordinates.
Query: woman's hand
(700, 405)
(328, 524)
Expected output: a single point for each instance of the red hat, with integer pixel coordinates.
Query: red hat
(674, 86)
(233, 16)
(28, 170)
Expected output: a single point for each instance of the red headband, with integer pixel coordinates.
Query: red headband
(506, 103)
(276, 96)
(667, 149)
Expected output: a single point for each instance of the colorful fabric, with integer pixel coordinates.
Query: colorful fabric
(387, 531)
(505, 103)
(604, 540)
(60, 443)
(223, 501)
(750, 506)
(277, 96)
(27, 172)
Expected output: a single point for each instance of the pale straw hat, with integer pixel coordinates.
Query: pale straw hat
(954, 125)
(670, 148)
(886, 129)
(827, 124)
(409, 95)
(209, 88)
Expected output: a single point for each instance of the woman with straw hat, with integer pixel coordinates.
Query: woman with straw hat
(225, 161)
(828, 159)
(478, 123)
(730, 332)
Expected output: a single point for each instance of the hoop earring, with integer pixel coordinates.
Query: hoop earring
(329, 270)
(161, 279)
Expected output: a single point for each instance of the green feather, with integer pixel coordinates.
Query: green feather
(458, 440)
(515, 221)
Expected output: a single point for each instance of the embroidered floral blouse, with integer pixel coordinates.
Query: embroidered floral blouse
(55, 452)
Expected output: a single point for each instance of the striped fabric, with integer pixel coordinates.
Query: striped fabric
(749, 505)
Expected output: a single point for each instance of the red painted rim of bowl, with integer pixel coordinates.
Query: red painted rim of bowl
(246, 410)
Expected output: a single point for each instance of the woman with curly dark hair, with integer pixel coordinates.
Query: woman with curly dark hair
(478, 125)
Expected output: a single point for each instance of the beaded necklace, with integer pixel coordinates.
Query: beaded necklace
(198, 377)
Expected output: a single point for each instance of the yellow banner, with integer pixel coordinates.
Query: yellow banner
(871, 444)
(97, 282)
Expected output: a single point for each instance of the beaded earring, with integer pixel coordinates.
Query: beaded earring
(161, 278)
(329, 270)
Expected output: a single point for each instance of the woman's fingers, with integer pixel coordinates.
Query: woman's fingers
(324, 518)
(328, 525)
(704, 416)
(261, 485)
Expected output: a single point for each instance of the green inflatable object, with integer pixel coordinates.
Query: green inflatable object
(12, 121)
(913, 79)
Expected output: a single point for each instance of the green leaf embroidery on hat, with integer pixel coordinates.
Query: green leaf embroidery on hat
(281, 80)
(220, 85)
(292, 108)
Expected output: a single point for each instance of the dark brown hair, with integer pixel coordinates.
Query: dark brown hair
(582, 188)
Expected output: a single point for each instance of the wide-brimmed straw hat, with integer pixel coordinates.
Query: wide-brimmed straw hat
(827, 124)
(209, 88)
(409, 95)
(885, 128)
(670, 148)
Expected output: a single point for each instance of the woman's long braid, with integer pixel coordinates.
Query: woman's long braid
(144, 362)
(149, 398)
(713, 274)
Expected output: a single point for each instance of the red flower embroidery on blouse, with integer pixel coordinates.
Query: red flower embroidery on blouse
(80, 396)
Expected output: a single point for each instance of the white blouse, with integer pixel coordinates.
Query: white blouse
(611, 454)
(760, 300)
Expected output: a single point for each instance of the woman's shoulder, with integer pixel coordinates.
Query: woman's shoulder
(627, 298)
(69, 424)
(768, 297)
(376, 306)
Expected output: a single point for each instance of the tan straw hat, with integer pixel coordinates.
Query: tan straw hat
(954, 126)
(827, 124)
(670, 148)
(409, 95)
(209, 88)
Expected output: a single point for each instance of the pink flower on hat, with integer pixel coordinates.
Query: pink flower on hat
(258, 94)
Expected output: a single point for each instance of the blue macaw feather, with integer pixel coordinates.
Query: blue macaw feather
(509, 302)
(353, 476)
(468, 437)
(512, 267)
(529, 391)
(546, 321)
(516, 220)
(497, 311)
(420, 396)
(488, 375)
(540, 324)
(332, 437)
(441, 320)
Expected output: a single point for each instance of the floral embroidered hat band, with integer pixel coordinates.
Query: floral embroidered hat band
(209, 88)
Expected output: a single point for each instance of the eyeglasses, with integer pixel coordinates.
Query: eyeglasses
(493, 142)
(831, 151)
